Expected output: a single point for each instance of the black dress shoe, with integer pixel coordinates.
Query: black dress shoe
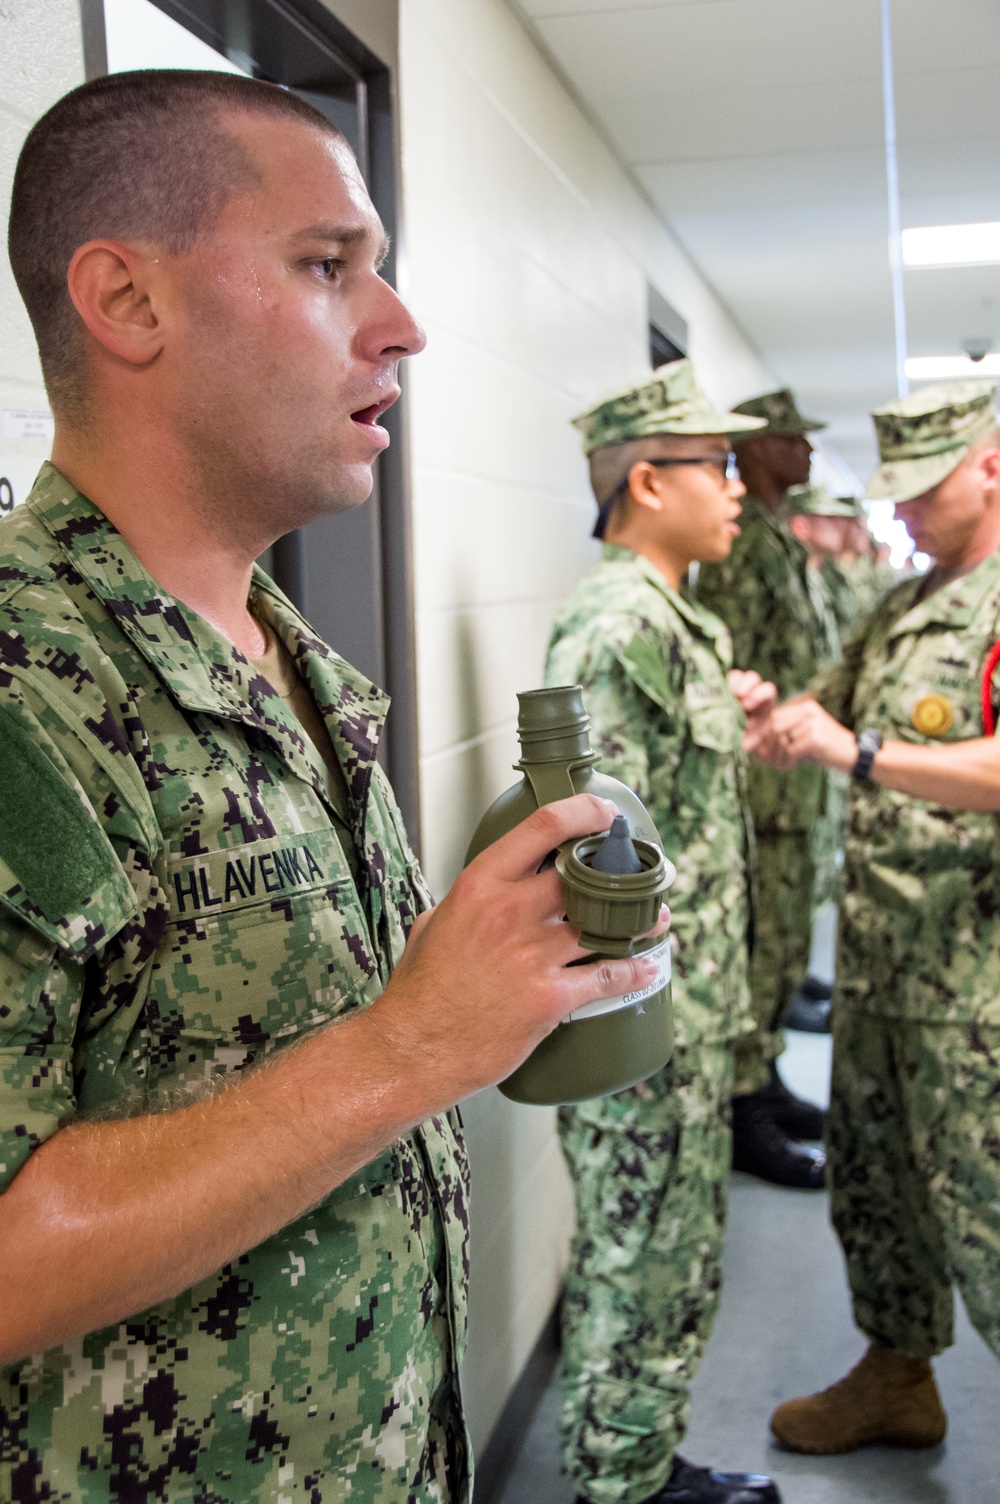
(762, 1148)
(816, 991)
(807, 1015)
(688, 1484)
(800, 1119)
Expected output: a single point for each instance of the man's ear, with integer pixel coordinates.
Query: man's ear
(642, 486)
(112, 288)
(989, 461)
(798, 526)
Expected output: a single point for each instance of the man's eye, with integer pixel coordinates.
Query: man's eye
(330, 266)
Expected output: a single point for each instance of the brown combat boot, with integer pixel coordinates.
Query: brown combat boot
(886, 1399)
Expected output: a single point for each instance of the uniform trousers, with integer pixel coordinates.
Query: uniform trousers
(785, 873)
(828, 842)
(649, 1167)
(913, 1138)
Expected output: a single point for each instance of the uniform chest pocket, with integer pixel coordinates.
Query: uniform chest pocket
(265, 943)
(714, 718)
(938, 700)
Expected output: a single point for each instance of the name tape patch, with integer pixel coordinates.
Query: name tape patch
(234, 877)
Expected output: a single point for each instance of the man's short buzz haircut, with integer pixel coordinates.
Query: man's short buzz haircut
(133, 156)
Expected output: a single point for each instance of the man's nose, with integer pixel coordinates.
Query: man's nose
(399, 331)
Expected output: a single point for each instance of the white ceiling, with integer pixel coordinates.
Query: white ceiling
(756, 128)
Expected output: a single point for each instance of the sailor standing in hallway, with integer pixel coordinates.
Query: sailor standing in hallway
(762, 594)
(835, 532)
(866, 569)
(819, 521)
(649, 1165)
(913, 1130)
(233, 1196)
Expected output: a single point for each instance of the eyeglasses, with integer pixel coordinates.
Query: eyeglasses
(724, 463)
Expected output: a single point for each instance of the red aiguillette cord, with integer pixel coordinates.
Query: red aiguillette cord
(986, 690)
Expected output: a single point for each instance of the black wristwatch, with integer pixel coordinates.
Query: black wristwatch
(869, 743)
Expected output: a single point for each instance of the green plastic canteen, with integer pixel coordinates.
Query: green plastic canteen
(614, 883)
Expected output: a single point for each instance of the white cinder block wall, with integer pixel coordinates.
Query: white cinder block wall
(41, 56)
(526, 253)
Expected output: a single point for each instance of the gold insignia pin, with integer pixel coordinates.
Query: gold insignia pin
(933, 715)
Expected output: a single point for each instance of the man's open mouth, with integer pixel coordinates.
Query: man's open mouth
(370, 415)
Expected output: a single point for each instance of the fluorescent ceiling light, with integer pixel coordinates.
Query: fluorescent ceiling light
(952, 245)
(950, 367)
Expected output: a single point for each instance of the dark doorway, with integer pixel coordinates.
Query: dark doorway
(668, 330)
(349, 575)
(662, 349)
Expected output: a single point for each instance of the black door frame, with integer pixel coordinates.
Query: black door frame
(275, 39)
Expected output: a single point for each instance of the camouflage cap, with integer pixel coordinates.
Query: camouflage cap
(923, 437)
(669, 401)
(812, 500)
(779, 412)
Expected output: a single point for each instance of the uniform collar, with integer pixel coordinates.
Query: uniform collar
(955, 604)
(754, 510)
(697, 616)
(756, 513)
(201, 668)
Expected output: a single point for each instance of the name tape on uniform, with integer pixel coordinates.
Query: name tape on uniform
(234, 877)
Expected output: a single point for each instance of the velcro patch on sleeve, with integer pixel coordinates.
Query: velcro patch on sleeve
(643, 662)
(67, 880)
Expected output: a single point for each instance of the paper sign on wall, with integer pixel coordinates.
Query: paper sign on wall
(26, 423)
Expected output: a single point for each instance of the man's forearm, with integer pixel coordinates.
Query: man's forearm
(107, 1218)
(957, 775)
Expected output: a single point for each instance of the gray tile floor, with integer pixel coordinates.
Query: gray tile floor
(783, 1329)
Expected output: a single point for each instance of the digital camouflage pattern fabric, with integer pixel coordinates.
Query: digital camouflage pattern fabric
(914, 1122)
(653, 669)
(827, 835)
(855, 587)
(669, 401)
(176, 903)
(913, 1135)
(920, 923)
(762, 593)
(834, 608)
(650, 1164)
(649, 1169)
(812, 500)
(922, 437)
(786, 882)
(779, 412)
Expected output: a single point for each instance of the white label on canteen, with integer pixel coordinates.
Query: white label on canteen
(661, 955)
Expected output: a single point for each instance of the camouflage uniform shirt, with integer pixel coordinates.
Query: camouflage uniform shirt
(762, 593)
(844, 598)
(653, 668)
(176, 903)
(857, 586)
(920, 924)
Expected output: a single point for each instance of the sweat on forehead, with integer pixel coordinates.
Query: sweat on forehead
(151, 156)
